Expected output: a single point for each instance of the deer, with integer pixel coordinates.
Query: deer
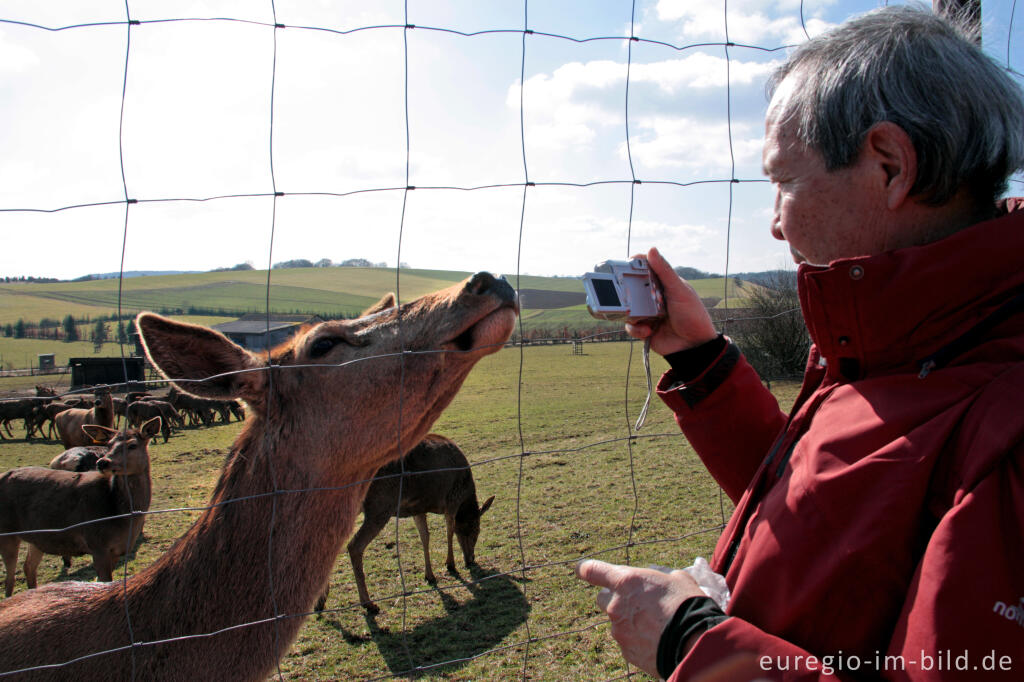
(68, 513)
(41, 414)
(17, 409)
(434, 477)
(232, 592)
(140, 410)
(69, 422)
(79, 458)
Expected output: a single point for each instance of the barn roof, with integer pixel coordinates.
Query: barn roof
(256, 323)
(252, 326)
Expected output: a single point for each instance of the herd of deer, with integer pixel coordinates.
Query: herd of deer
(327, 435)
(45, 412)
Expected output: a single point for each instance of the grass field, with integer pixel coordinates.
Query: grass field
(23, 353)
(325, 291)
(545, 432)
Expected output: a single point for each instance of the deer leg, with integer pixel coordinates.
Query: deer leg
(9, 551)
(449, 521)
(357, 545)
(421, 526)
(33, 558)
(103, 562)
(321, 602)
(66, 559)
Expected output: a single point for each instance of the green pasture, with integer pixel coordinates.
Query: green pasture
(547, 433)
(24, 353)
(328, 291)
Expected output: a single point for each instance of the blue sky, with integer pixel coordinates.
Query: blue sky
(197, 111)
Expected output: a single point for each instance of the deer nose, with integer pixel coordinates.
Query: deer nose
(485, 283)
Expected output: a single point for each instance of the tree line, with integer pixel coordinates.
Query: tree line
(99, 330)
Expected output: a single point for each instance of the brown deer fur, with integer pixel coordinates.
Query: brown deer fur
(70, 422)
(433, 478)
(341, 400)
(39, 498)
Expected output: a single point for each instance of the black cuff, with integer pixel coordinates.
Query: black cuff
(695, 382)
(695, 615)
(689, 364)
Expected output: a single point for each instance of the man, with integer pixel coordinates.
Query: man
(879, 527)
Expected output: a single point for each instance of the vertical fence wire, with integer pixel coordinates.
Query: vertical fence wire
(519, 382)
(267, 451)
(401, 339)
(120, 294)
(525, 567)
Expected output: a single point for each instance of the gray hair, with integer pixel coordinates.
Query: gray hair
(902, 64)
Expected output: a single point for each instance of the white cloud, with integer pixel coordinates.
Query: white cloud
(569, 106)
(556, 115)
(15, 58)
(700, 70)
(754, 22)
(700, 146)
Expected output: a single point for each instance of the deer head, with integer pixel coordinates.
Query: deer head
(370, 385)
(127, 452)
(467, 527)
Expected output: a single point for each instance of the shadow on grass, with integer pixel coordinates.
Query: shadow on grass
(468, 629)
(85, 570)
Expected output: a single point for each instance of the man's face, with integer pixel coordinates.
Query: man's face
(823, 215)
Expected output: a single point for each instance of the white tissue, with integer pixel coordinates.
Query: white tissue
(711, 583)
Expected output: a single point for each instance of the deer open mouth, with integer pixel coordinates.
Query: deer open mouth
(488, 332)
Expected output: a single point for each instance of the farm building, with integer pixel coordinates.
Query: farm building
(256, 332)
(87, 372)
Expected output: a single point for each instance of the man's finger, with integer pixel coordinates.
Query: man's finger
(604, 598)
(599, 573)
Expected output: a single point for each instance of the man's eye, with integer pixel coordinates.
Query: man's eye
(323, 345)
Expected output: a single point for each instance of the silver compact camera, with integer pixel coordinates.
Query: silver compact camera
(621, 289)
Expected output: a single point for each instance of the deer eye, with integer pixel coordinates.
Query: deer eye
(323, 345)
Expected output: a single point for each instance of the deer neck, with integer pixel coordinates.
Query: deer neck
(134, 492)
(258, 552)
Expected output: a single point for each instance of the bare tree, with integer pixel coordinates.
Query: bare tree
(775, 339)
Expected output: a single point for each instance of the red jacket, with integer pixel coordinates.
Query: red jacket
(884, 518)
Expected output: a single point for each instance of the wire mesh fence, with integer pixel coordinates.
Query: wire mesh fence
(523, 576)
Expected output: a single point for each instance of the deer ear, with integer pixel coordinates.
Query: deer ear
(198, 360)
(486, 505)
(151, 428)
(99, 434)
(383, 304)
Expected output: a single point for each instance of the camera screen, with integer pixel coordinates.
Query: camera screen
(606, 294)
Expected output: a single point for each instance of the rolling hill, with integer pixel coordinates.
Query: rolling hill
(330, 292)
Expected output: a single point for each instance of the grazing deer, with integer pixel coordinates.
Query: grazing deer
(142, 410)
(41, 414)
(325, 411)
(34, 499)
(17, 409)
(70, 422)
(437, 480)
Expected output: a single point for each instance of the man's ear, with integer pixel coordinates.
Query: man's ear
(200, 361)
(889, 146)
(383, 304)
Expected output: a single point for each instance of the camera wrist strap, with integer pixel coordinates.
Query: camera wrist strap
(650, 386)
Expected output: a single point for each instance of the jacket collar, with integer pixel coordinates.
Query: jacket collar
(884, 312)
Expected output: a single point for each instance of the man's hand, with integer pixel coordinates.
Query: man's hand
(687, 323)
(639, 602)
